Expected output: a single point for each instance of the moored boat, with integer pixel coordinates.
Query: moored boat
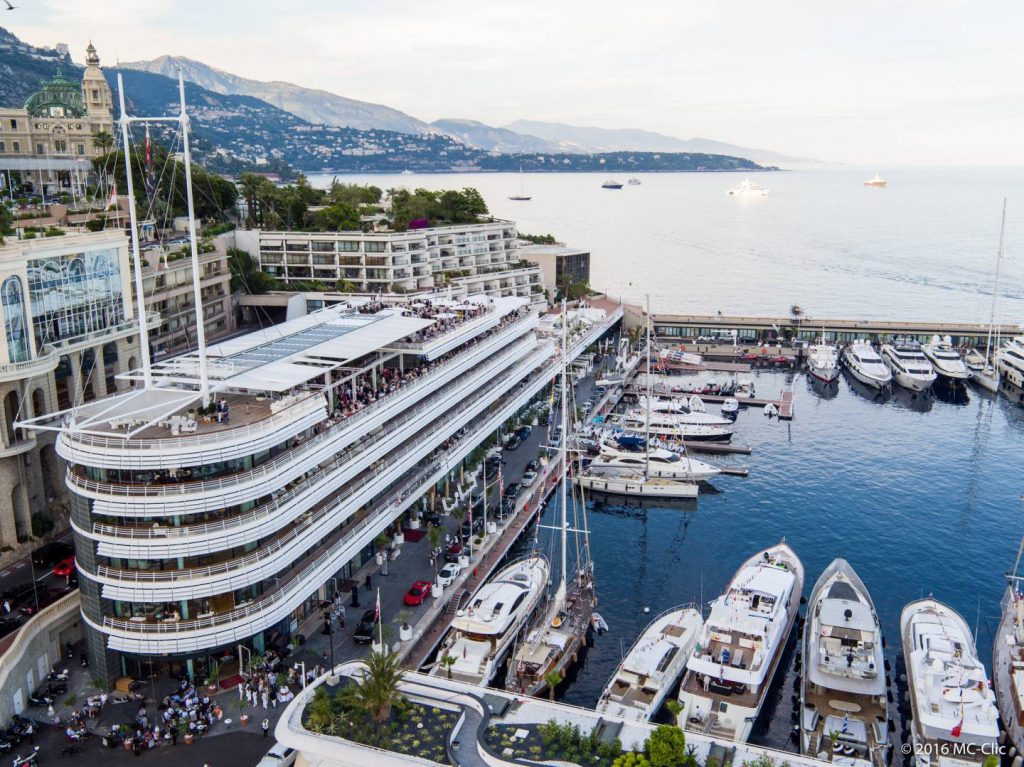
(843, 707)
(652, 666)
(952, 703)
(611, 184)
(910, 368)
(946, 360)
(877, 182)
(864, 364)
(823, 361)
(1010, 366)
(740, 647)
(483, 632)
(660, 463)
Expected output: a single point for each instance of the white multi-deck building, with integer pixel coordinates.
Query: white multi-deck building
(196, 532)
(474, 259)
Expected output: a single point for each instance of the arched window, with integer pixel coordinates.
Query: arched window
(15, 321)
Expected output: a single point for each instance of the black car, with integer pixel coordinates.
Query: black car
(433, 518)
(508, 506)
(47, 597)
(52, 553)
(512, 490)
(366, 631)
(478, 524)
(532, 466)
(19, 595)
(513, 443)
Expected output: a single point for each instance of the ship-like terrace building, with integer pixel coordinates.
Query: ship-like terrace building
(474, 259)
(195, 532)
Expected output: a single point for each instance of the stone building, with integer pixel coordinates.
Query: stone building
(69, 328)
(50, 142)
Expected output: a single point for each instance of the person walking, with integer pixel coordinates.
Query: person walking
(368, 584)
(266, 727)
(266, 697)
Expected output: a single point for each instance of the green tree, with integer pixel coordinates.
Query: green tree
(337, 217)
(246, 274)
(320, 711)
(5, 222)
(552, 679)
(667, 748)
(379, 691)
(103, 140)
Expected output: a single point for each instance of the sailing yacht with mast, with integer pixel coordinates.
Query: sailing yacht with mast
(1008, 657)
(740, 647)
(984, 373)
(522, 196)
(843, 714)
(950, 697)
(553, 640)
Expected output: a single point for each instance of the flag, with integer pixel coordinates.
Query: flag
(112, 202)
(376, 609)
(149, 154)
(955, 732)
(463, 652)
(846, 723)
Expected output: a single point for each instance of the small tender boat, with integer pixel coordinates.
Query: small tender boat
(950, 696)
(697, 405)
(598, 623)
(771, 410)
(864, 364)
(731, 406)
(877, 182)
(651, 667)
(611, 184)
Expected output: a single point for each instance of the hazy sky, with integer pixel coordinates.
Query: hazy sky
(875, 82)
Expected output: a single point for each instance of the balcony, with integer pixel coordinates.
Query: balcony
(42, 364)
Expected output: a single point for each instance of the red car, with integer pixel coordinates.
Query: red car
(65, 567)
(420, 590)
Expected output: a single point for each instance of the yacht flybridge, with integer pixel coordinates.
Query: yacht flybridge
(946, 360)
(737, 655)
(823, 361)
(843, 706)
(484, 631)
(864, 364)
(950, 697)
(652, 666)
(909, 367)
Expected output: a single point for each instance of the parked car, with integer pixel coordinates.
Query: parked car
(65, 567)
(417, 593)
(453, 552)
(46, 598)
(524, 432)
(449, 573)
(529, 478)
(18, 595)
(513, 442)
(279, 756)
(512, 490)
(508, 505)
(52, 553)
(477, 525)
(533, 465)
(366, 631)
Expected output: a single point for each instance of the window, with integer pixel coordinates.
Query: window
(81, 149)
(14, 320)
(14, 125)
(376, 247)
(3, 147)
(95, 94)
(40, 149)
(17, 146)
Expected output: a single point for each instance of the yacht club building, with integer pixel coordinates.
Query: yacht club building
(198, 528)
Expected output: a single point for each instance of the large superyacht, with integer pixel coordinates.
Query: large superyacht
(843, 713)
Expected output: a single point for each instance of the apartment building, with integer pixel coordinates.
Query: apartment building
(473, 259)
(560, 266)
(69, 329)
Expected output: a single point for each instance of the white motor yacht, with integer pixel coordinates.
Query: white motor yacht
(652, 666)
(877, 182)
(950, 697)
(910, 368)
(747, 188)
(659, 463)
(678, 427)
(864, 364)
(483, 632)
(1010, 365)
(843, 707)
(823, 361)
(682, 412)
(732, 666)
(946, 360)
(676, 359)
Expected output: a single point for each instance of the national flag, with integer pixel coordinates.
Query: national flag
(463, 652)
(846, 723)
(149, 154)
(112, 202)
(955, 732)
(376, 609)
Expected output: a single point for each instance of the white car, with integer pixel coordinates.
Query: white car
(279, 756)
(528, 479)
(448, 574)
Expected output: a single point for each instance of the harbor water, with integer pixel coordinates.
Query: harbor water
(924, 248)
(920, 495)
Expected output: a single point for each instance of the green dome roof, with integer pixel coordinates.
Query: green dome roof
(58, 92)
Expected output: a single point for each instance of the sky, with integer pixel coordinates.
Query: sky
(867, 82)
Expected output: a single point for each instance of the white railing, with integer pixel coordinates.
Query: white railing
(31, 629)
(43, 363)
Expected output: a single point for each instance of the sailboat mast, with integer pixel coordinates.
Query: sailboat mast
(197, 291)
(565, 443)
(995, 290)
(650, 392)
(140, 297)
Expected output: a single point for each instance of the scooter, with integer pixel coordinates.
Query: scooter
(58, 676)
(39, 699)
(29, 760)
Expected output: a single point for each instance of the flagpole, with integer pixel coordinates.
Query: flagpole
(380, 622)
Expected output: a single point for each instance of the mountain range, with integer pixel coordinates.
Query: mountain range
(319, 106)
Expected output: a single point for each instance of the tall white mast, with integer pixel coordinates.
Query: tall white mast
(140, 294)
(995, 290)
(650, 392)
(197, 291)
(565, 447)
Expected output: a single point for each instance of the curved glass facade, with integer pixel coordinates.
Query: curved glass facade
(15, 320)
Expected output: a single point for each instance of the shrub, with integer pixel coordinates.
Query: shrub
(667, 747)
(41, 525)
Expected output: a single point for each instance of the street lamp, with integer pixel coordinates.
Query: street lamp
(301, 663)
(329, 630)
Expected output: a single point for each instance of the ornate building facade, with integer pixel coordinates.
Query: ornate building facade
(50, 142)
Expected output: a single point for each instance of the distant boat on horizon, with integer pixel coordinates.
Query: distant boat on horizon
(406, 172)
(877, 182)
(634, 181)
(611, 184)
(747, 188)
(522, 196)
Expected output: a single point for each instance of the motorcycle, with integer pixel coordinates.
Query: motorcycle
(30, 760)
(58, 676)
(36, 700)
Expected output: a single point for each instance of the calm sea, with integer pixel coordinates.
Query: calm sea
(924, 248)
(921, 495)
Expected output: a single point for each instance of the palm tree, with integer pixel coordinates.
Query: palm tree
(553, 679)
(320, 712)
(448, 661)
(103, 140)
(674, 707)
(379, 691)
